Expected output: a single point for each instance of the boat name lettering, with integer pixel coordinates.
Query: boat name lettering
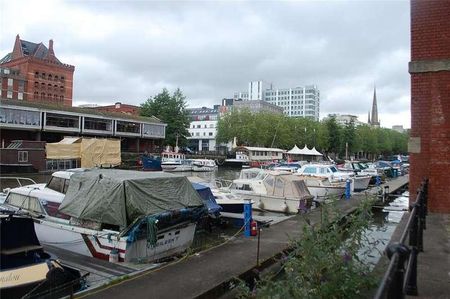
(167, 241)
(10, 277)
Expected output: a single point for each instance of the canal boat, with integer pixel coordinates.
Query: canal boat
(26, 270)
(203, 165)
(273, 191)
(129, 215)
(175, 162)
(255, 156)
(240, 160)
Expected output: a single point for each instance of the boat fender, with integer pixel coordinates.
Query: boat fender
(253, 228)
(261, 205)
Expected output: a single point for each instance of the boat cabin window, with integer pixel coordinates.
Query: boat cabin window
(52, 209)
(333, 169)
(25, 202)
(245, 187)
(58, 184)
(310, 170)
(323, 170)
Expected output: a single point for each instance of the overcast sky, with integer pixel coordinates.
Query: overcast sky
(128, 51)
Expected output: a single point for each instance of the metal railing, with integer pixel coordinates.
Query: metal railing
(400, 278)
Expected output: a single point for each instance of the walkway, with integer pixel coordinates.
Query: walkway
(434, 263)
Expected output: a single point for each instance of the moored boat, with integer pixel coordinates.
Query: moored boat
(175, 162)
(273, 191)
(134, 216)
(26, 270)
(200, 165)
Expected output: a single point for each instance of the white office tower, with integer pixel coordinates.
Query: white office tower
(296, 102)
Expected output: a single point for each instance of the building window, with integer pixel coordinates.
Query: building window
(10, 82)
(210, 133)
(62, 120)
(13, 116)
(42, 96)
(61, 98)
(36, 74)
(97, 124)
(22, 156)
(20, 96)
(43, 75)
(128, 127)
(9, 95)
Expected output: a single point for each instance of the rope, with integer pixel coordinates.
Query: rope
(152, 232)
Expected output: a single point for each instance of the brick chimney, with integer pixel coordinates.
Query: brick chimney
(17, 51)
(50, 53)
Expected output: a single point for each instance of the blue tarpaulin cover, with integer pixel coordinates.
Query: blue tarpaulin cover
(208, 198)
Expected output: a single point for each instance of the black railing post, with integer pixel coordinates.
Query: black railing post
(410, 287)
(419, 217)
(401, 253)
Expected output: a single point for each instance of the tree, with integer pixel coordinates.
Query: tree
(170, 109)
(334, 135)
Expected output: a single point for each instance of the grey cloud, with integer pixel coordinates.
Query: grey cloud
(212, 49)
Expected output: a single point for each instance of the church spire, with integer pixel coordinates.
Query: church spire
(375, 121)
(368, 117)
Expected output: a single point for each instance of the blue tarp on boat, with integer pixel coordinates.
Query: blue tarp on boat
(208, 198)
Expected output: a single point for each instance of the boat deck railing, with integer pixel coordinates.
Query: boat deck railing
(400, 278)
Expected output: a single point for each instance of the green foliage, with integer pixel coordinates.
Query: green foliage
(274, 130)
(324, 262)
(170, 109)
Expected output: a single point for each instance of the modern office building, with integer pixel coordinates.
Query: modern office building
(203, 129)
(255, 106)
(344, 119)
(39, 76)
(295, 102)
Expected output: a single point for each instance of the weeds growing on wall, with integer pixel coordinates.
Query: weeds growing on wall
(324, 262)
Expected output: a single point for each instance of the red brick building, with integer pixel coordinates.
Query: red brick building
(46, 78)
(430, 100)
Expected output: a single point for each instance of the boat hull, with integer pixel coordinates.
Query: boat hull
(99, 244)
(274, 203)
(361, 182)
(176, 168)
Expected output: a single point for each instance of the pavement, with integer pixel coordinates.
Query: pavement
(433, 278)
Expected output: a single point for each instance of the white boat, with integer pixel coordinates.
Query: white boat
(201, 165)
(230, 202)
(107, 213)
(7, 183)
(358, 182)
(175, 162)
(240, 160)
(323, 189)
(273, 191)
